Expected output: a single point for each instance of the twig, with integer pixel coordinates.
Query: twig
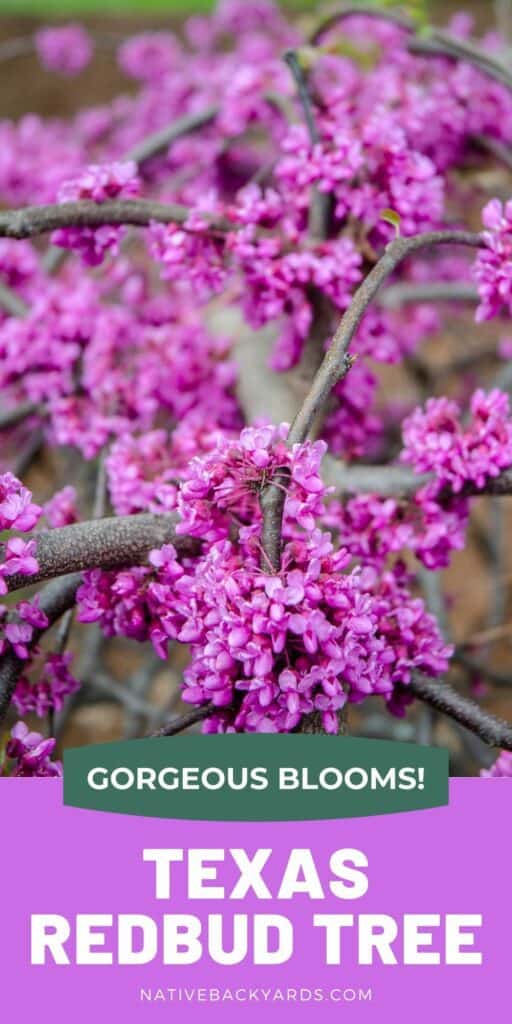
(498, 149)
(292, 60)
(320, 202)
(477, 667)
(337, 362)
(410, 292)
(443, 697)
(139, 684)
(178, 725)
(440, 44)
(400, 482)
(20, 412)
(100, 495)
(11, 302)
(159, 141)
(28, 454)
(110, 543)
(123, 695)
(354, 10)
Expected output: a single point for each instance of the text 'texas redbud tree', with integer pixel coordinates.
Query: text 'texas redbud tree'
(207, 285)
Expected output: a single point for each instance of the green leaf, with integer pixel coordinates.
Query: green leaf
(393, 218)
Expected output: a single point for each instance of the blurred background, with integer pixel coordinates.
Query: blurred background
(26, 86)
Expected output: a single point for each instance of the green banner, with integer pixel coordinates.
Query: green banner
(256, 777)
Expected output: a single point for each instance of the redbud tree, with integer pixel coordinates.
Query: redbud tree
(206, 286)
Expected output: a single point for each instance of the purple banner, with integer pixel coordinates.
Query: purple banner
(426, 885)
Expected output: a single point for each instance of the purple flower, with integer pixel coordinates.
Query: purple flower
(48, 692)
(61, 509)
(150, 56)
(501, 769)
(493, 264)
(67, 49)
(17, 511)
(99, 182)
(32, 752)
(19, 557)
(436, 439)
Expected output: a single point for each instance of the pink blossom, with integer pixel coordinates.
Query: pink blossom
(66, 49)
(32, 753)
(501, 769)
(437, 440)
(493, 264)
(99, 182)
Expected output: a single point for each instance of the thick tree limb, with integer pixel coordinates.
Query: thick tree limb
(110, 543)
(443, 697)
(31, 221)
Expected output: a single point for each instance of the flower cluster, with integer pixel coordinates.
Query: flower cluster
(150, 56)
(67, 49)
(437, 440)
(61, 509)
(374, 528)
(17, 510)
(54, 683)
(493, 265)
(268, 648)
(97, 183)
(18, 634)
(31, 754)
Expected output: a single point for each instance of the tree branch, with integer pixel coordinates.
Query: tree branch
(177, 725)
(409, 292)
(11, 302)
(20, 412)
(110, 543)
(159, 141)
(441, 44)
(355, 10)
(437, 44)
(31, 221)
(440, 695)
(337, 362)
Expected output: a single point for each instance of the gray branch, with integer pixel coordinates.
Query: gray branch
(409, 292)
(160, 141)
(441, 696)
(110, 543)
(337, 361)
(31, 221)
